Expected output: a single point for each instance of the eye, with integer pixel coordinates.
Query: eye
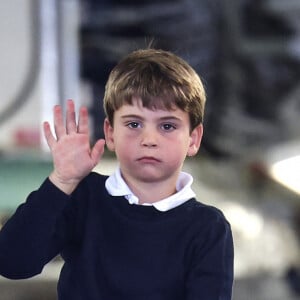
(133, 125)
(168, 127)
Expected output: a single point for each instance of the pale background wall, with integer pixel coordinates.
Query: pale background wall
(55, 36)
(14, 59)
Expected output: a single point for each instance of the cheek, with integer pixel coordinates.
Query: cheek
(182, 141)
(177, 148)
(124, 147)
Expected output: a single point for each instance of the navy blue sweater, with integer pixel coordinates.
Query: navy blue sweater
(114, 250)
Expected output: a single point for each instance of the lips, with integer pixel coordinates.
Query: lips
(148, 159)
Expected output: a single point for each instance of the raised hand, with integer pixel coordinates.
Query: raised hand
(73, 157)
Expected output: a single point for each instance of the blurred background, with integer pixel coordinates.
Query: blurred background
(248, 54)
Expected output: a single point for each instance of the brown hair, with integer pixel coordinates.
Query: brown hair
(161, 79)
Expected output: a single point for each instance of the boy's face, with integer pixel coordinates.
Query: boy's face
(151, 145)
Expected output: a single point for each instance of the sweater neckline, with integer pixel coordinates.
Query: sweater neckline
(146, 214)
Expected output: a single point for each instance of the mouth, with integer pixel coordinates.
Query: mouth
(148, 159)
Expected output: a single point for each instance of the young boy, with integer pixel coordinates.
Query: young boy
(139, 234)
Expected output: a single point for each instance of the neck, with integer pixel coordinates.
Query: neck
(150, 192)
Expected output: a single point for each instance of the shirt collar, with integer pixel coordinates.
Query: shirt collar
(116, 186)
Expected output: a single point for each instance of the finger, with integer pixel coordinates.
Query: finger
(97, 151)
(70, 117)
(59, 127)
(83, 121)
(48, 135)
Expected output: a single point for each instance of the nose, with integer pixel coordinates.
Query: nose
(149, 138)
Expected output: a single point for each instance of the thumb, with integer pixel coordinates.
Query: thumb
(97, 151)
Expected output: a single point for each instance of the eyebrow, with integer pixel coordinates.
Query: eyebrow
(164, 118)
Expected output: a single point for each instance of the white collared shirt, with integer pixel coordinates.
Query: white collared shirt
(116, 186)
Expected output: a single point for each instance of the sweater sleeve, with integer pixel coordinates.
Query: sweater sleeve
(31, 237)
(211, 268)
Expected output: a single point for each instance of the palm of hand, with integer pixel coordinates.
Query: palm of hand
(72, 156)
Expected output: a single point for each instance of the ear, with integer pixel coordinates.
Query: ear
(109, 135)
(195, 140)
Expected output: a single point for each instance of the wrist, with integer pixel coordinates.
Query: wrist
(66, 186)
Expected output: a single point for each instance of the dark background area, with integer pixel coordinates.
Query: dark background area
(241, 49)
